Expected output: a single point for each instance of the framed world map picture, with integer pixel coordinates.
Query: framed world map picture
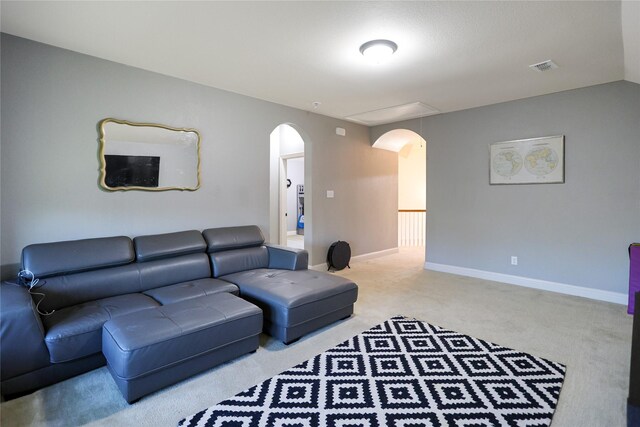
(527, 161)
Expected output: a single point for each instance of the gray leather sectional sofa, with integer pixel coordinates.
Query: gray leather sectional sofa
(157, 309)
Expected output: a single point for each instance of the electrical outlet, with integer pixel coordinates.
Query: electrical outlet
(514, 260)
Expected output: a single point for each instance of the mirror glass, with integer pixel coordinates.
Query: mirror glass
(145, 156)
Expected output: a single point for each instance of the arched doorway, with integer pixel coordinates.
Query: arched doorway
(290, 186)
(412, 184)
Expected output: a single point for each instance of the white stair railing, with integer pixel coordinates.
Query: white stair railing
(411, 227)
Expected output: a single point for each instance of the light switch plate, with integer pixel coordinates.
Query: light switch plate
(329, 194)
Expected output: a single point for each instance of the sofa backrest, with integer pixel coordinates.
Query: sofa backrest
(74, 272)
(233, 261)
(74, 256)
(234, 249)
(159, 246)
(226, 238)
(167, 259)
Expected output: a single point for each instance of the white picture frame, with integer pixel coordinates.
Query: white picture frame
(527, 161)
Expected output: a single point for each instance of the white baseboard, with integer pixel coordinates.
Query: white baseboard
(372, 255)
(291, 233)
(359, 258)
(562, 288)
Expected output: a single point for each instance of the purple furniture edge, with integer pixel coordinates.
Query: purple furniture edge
(634, 275)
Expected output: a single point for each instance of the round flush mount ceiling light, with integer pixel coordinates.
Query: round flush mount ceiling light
(378, 50)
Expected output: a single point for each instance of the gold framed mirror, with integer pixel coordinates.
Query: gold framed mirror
(148, 156)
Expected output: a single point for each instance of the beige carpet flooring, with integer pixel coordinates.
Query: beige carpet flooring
(592, 338)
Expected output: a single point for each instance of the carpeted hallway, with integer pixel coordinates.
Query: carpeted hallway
(593, 339)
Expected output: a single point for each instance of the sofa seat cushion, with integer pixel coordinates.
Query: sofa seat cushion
(151, 340)
(192, 289)
(76, 331)
(289, 298)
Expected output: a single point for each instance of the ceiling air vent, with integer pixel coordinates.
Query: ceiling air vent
(544, 66)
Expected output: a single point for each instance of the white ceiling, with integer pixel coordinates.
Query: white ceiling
(451, 55)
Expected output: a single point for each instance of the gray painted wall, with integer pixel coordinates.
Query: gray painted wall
(52, 101)
(574, 233)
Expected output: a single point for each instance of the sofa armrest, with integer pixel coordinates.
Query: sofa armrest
(22, 346)
(285, 258)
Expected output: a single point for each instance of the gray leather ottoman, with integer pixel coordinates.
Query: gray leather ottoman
(296, 302)
(153, 348)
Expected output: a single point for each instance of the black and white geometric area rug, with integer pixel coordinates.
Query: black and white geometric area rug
(403, 373)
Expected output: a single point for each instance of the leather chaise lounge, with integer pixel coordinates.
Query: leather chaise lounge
(295, 300)
(157, 309)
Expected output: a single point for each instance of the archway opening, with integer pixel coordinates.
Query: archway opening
(290, 185)
(412, 184)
